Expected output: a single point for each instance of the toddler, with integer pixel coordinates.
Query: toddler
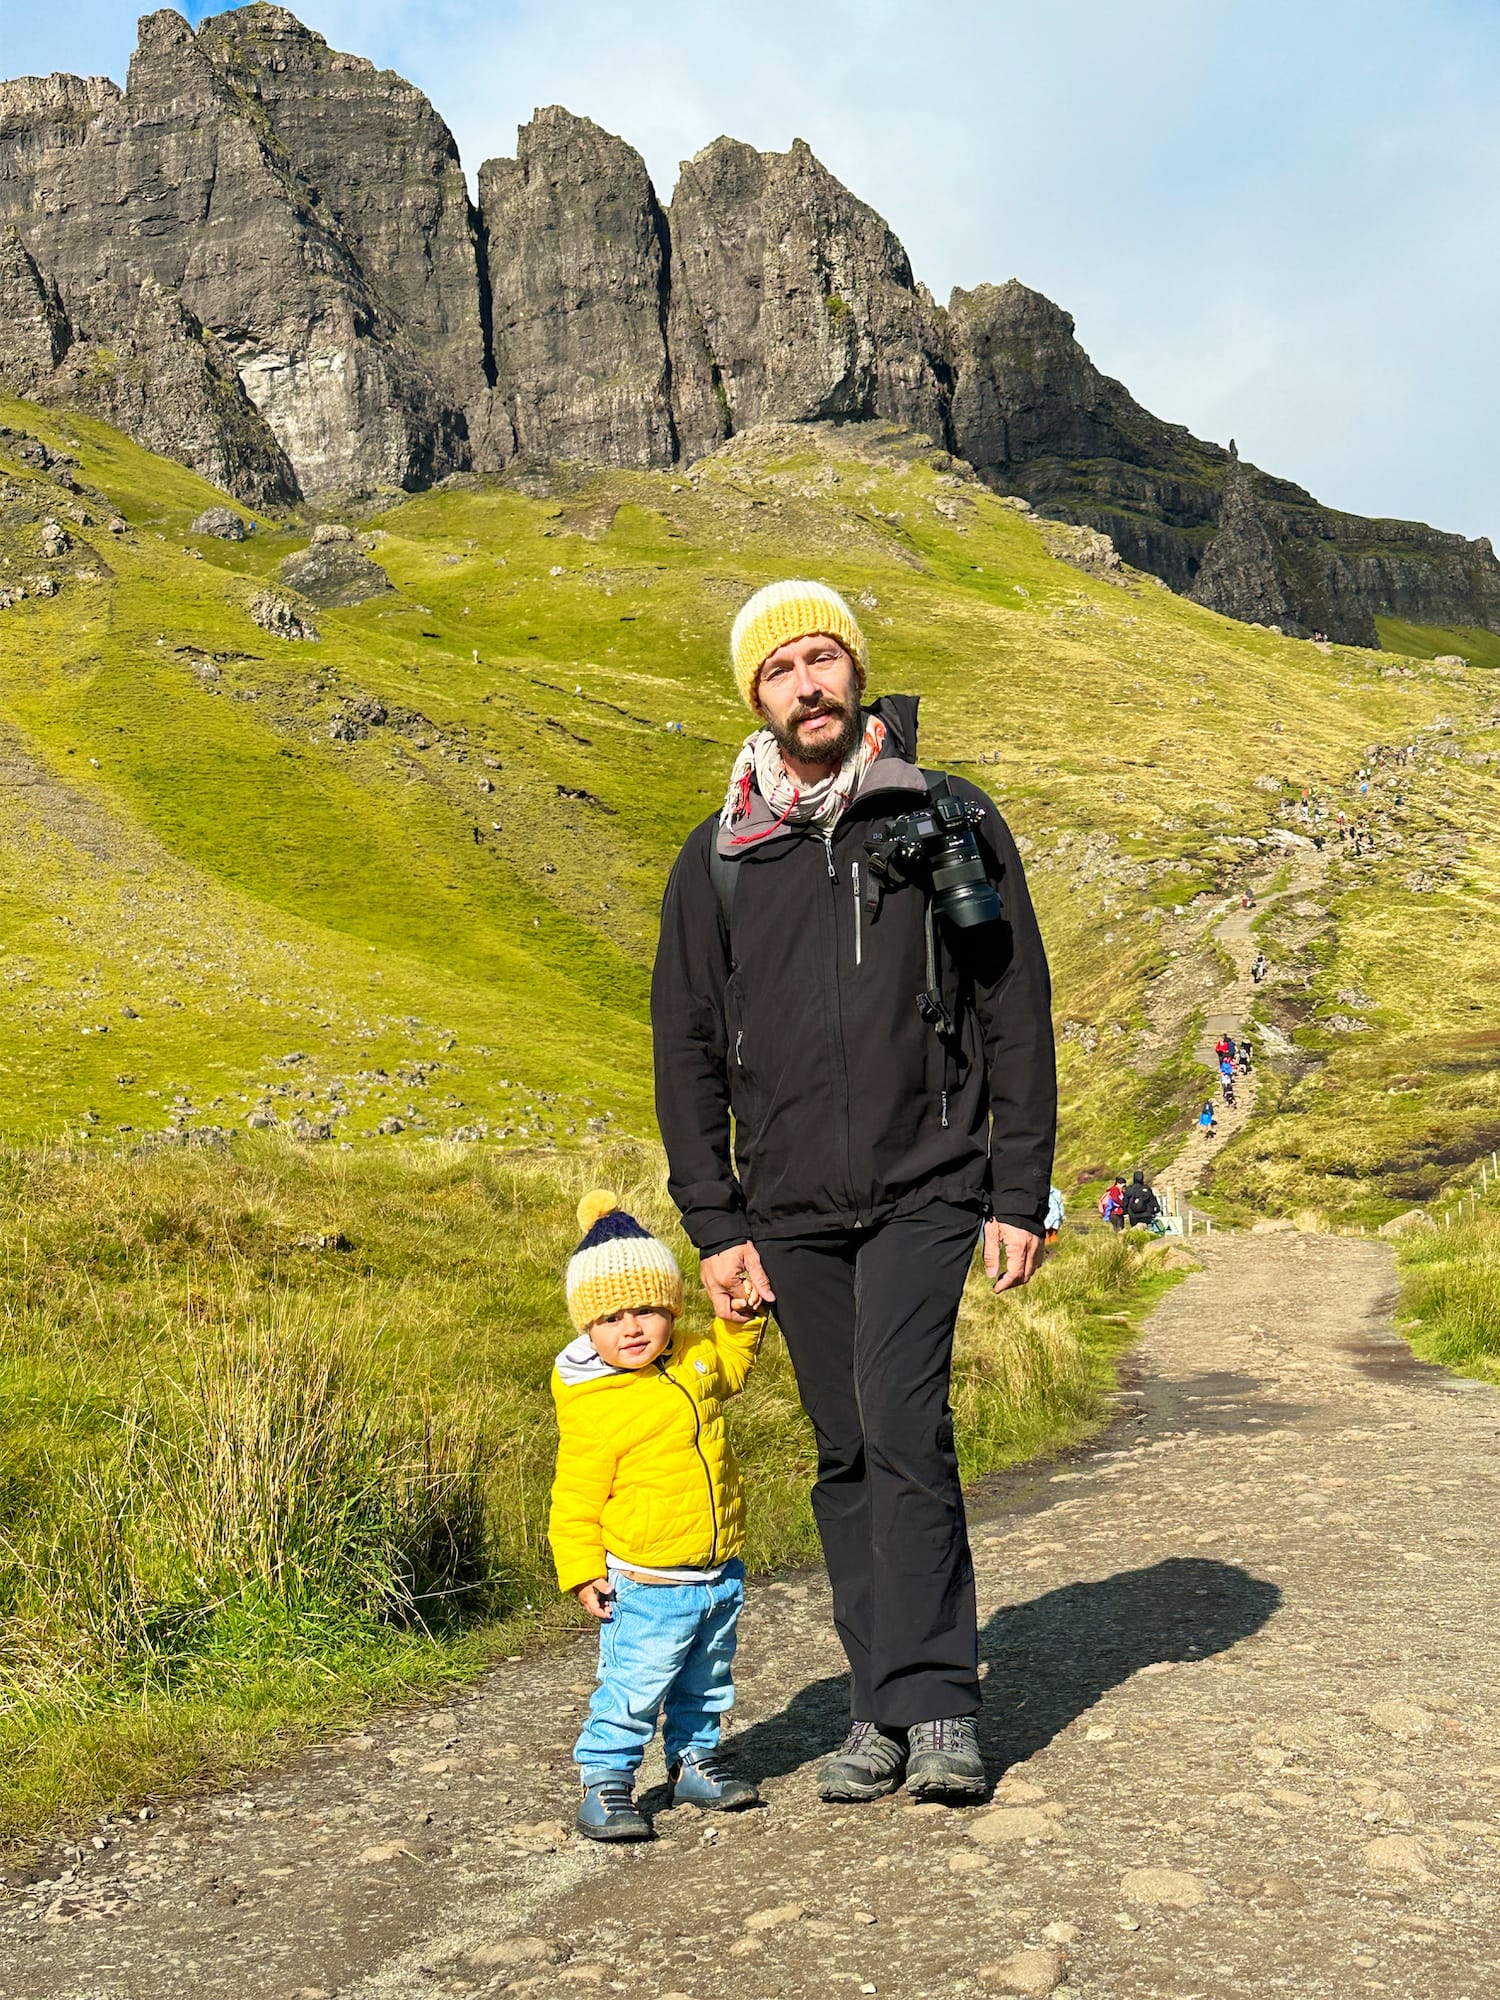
(648, 1519)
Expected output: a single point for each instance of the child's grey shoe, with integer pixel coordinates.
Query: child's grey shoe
(943, 1760)
(609, 1810)
(869, 1766)
(698, 1781)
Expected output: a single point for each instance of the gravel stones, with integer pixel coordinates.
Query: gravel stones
(1164, 1888)
(1003, 1824)
(1033, 1971)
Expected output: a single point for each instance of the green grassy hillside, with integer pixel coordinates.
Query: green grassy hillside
(445, 917)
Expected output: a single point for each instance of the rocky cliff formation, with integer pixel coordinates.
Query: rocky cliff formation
(261, 257)
(1035, 417)
(578, 267)
(792, 300)
(260, 182)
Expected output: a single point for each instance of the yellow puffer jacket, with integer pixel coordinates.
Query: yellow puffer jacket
(644, 1466)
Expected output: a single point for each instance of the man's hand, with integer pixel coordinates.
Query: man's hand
(1017, 1249)
(736, 1283)
(595, 1598)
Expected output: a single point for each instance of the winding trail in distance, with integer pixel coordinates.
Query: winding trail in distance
(1231, 1008)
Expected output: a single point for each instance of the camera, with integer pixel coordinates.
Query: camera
(938, 839)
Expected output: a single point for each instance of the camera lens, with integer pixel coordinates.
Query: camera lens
(961, 891)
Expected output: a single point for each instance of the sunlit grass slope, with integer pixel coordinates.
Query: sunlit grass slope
(446, 916)
(276, 1437)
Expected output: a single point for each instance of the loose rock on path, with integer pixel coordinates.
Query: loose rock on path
(1241, 1666)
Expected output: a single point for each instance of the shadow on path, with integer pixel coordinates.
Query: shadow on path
(1049, 1660)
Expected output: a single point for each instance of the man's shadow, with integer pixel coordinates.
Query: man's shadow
(1049, 1660)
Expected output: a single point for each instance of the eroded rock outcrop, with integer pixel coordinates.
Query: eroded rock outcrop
(1241, 574)
(1036, 418)
(791, 299)
(578, 263)
(256, 181)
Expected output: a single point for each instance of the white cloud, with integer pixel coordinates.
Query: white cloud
(1276, 222)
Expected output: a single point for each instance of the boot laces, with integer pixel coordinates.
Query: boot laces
(948, 1734)
(869, 1740)
(706, 1768)
(615, 1795)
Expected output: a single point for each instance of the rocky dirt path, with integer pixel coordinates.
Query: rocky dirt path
(1241, 1679)
(1231, 1008)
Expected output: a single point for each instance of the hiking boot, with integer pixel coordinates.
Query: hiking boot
(943, 1760)
(699, 1781)
(869, 1766)
(609, 1810)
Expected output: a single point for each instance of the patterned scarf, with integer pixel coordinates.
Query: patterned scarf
(760, 767)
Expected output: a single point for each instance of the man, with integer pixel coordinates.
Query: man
(890, 1081)
(1141, 1205)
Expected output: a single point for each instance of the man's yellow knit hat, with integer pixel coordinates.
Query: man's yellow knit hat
(618, 1264)
(785, 611)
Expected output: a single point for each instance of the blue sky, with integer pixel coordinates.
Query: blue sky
(1273, 221)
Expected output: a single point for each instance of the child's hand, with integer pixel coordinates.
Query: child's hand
(595, 1598)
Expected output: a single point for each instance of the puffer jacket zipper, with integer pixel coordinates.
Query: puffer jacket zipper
(859, 939)
(708, 1478)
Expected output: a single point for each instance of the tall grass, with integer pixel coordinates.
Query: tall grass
(1451, 1300)
(250, 1479)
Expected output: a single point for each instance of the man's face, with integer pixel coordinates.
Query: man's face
(808, 691)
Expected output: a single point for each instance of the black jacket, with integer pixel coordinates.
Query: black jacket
(847, 1107)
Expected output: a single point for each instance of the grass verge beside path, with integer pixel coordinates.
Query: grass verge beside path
(276, 1440)
(1451, 1300)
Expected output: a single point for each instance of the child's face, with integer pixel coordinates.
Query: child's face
(633, 1337)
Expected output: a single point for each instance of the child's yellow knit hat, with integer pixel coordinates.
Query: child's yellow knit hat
(785, 611)
(618, 1264)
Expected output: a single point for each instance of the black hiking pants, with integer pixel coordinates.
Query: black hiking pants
(868, 1317)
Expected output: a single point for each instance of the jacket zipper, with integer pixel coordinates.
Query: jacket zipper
(838, 1038)
(859, 942)
(708, 1478)
(739, 1043)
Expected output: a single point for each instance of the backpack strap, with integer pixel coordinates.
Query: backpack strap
(724, 873)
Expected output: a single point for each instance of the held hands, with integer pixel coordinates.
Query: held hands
(1016, 1249)
(736, 1283)
(595, 1598)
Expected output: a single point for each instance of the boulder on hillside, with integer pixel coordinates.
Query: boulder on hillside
(282, 620)
(334, 574)
(1405, 1224)
(223, 523)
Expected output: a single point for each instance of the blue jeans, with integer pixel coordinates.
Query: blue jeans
(667, 1649)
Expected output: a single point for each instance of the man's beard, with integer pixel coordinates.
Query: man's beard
(825, 748)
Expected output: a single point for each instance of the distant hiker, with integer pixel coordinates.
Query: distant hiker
(1244, 1063)
(1227, 1086)
(1207, 1121)
(648, 1519)
(1052, 1222)
(1112, 1204)
(853, 1082)
(1141, 1205)
(1258, 967)
(1221, 1047)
